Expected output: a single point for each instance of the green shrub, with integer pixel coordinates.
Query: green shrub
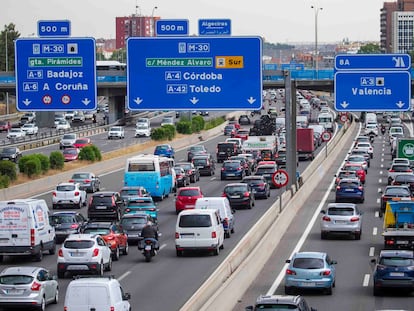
(158, 133)
(214, 122)
(197, 123)
(57, 160)
(98, 155)
(169, 131)
(33, 167)
(87, 154)
(4, 181)
(184, 127)
(44, 162)
(23, 161)
(8, 168)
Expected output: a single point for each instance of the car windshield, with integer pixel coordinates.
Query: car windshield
(69, 136)
(189, 193)
(397, 261)
(308, 263)
(341, 211)
(70, 151)
(397, 191)
(8, 150)
(80, 176)
(65, 188)
(78, 244)
(16, 279)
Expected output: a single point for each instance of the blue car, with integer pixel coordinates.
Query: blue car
(142, 204)
(310, 270)
(232, 169)
(164, 150)
(349, 190)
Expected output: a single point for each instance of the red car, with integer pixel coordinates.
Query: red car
(70, 154)
(186, 198)
(5, 126)
(242, 133)
(358, 168)
(82, 142)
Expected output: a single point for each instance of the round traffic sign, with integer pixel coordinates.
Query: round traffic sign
(344, 118)
(326, 136)
(280, 178)
(66, 99)
(47, 99)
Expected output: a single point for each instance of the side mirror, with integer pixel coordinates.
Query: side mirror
(249, 308)
(126, 296)
(323, 212)
(334, 262)
(287, 261)
(374, 261)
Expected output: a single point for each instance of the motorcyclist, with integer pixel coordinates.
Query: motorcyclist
(150, 232)
(383, 129)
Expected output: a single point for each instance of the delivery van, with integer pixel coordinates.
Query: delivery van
(25, 229)
(96, 293)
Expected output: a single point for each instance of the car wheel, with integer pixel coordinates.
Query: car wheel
(52, 250)
(42, 306)
(329, 290)
(61, 274)
(39, 255)
(79, 205)
(357, 235)
(377, 291)
(179, 253)
(126, 249)
(108, 266)
(216, 251)
(56, 299)
(289, 290)
(115, 255)
(324, 235)
(227, 234)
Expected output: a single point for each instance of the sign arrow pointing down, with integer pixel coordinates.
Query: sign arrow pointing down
(27, 102)
(138, 100)
(251, 100)
(194, 100)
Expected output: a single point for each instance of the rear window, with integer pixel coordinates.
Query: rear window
(396, 261)
(62, 219)
(189, 192)
(100, 231)
(80, 176)
(235, 189)
(400, 168)
(341, 211)
(265, 170)
(98, 200)
(134, 221)
(308, 263)
(78, 244)
(199, 162)
(16, 279)
(231, 164)
(189, 221)
(65, 188)
(275, 307)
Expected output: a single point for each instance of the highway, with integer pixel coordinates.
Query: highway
(167, 282)
(354, 282)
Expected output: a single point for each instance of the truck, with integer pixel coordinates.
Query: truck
(304, 143)
(264, 147)
(398, 228)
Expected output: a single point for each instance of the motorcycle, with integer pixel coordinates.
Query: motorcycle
(383, 130)
(148, 248)
(371, 138)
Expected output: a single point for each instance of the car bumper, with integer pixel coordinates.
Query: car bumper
(78, 267)
(341, 228)
(62, 235)
(349, 197)
(260, 193)
(394, 283)
(309, 283)
(232, 175)
(239, 202)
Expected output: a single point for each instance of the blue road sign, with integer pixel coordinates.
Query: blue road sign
(372, 90)
(58, 28)
(171, 27)
(372, 62)
(193, 73)
(214, 27)
(55, 74)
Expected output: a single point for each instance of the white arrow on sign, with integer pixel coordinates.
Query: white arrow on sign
(344, 104)
(27, 102)
(138, 100)
(400, 104)
(86, 101)
(194, 100)
(251, 100)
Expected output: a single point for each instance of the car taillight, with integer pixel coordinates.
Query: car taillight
(353, 219)
(95, 252)
(90, 201)
(177, 235)
(87, 181)
(326, 218)
(326, 272)
(32, 237)
(338, 187)
(60, 252)
(261, 185)
(54, 193)
(36, 286)
(127, 210)
(112, 308)
(213, 234)
(110, 237)
(77, 193)
(222, 169)
(246, 194)
(360, 188)
(113, 201)
(391, 171)
(290, 272)
(74, 226)
(148, 242)
(223, 194)
(71, 180)
(239, 168)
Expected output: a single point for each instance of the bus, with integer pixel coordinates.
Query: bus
(154, 173)
(110, 65)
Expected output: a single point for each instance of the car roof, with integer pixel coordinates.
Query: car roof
(77, 236)
(341, 205)
(21, 270)
(236, 184)
(309, 255)
(397, 253)
(274, 299)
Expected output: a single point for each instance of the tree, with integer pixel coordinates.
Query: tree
(370, 48)
(119, 55)
(7, 36)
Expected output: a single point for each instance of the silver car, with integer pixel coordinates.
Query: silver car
(28, 287)
(341, 218)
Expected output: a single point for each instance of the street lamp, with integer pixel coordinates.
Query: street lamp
(315, 56)
(7, 54)
(152, 20)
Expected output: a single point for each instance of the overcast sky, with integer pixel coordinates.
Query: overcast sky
(278, 21)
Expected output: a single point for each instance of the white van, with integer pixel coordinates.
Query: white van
(199, 230)
(371, 118)
(96, 293)
(280, 123)
(326, 119)
(25, 228)
(302, 121)
(143, 129)
(221, 204)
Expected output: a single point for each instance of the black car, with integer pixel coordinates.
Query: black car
(260, 186)
(133, 224)
(225, 150)
(66, 223)
(181, 177)
(10, 154)
(190, 169)
(205, 164)
(193, 150)
(267, 171)
(105, 205)
(239, 195)
(404, 180)
(244, 119)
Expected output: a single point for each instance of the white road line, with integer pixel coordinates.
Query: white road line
(376, 215)
(163, 246)
(382, 165)
(378, 200)
(380, 172)
(382, 160)
(380, 180)
(379, 190)
(365, 283)
(124, 275)
(371, 251)
(374, 231)
(213, 178)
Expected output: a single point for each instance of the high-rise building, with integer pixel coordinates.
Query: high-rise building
(392, 40)
(402, 32)
(133, 26)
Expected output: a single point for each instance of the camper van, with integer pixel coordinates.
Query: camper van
(25, 229)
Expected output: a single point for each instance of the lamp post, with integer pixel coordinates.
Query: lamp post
(316, 9)
(7, 70)
(152, 20)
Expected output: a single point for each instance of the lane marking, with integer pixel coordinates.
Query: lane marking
(163, 246)
(374, 231)
(124, 275)
(365, 283)
(380, 172)
(380, 181)
(371, 251)
(376, 215)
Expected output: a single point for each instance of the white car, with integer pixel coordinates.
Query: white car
(67, 140)
(366, 146)
(82, 253)
(167, 120)
(16, 133)
(30, 129)
(116, 132)
(63, 125)
(58, 119)
(68, 194)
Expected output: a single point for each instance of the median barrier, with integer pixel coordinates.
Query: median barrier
(232, 278)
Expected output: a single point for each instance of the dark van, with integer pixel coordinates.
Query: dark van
(225, 150)
(105, 205)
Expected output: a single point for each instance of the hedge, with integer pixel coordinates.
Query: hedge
(8, 168)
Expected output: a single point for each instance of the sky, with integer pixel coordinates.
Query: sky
(278, 21)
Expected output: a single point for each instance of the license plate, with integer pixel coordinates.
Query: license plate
(200, 167)
(147, 247)
(402, 242)
(234, 196)
(349, 190)
(340, 221)
(308, 284)
(5, 158)
(101, 207)
(133, 235)
(396, 274)
(74, 254)
(254, 191)
(230, 174)
(190, 206)
(13, 291)
(266, 175)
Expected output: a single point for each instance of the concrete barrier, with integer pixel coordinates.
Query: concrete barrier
(231, 279)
